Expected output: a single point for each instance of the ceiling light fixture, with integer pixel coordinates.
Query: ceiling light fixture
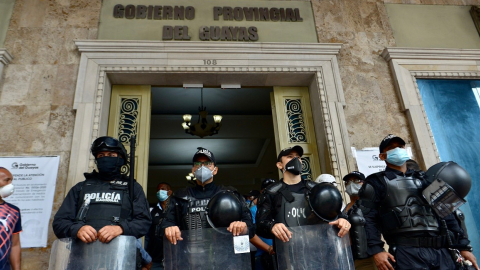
(202, 128)
(190, 177)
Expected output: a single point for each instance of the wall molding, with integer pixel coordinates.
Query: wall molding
(104, 63)
(410, 64)
(5, 59)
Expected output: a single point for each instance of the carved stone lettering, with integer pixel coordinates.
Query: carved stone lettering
(263, 14)
(178, 13)
(130, 12)
(141, 12)
(238, 14)
(118, 11)
(167, 12)
(167, 33)
(189, 13)
(253, 33)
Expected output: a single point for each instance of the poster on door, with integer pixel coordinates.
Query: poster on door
(34, 179)
(369, 162)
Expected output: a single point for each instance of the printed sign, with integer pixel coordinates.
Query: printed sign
(34, 179)
(368, 161)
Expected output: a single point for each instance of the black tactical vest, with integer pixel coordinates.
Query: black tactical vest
(109, 202)
(196, 217)
(294, 213)
(404, 209)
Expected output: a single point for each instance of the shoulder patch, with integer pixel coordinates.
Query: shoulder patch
(310, 184)
(274, 188)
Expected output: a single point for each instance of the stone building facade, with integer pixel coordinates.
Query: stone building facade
(39, 81)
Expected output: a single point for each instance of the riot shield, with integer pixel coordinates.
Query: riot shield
(210, 249)
(314, 247)
(71, 254)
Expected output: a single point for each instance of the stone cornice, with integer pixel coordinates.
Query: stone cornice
(211, 47)
(430, 54)
(5, 56)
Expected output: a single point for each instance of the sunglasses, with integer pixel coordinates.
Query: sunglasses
(200, 163)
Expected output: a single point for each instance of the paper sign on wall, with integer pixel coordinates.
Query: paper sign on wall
(368, 161)
(34, 179)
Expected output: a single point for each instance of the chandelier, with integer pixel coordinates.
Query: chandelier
(202, 128)
(190, 177)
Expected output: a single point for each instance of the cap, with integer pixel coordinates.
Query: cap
(356, 174)
(267, 182)
(204, 152)
(254, 193)
(326, 178)
(286, 151)
(387, 140)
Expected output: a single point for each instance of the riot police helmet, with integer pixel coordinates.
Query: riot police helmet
(110, 144)
(452, 174)
(223, 208)
(325, 201)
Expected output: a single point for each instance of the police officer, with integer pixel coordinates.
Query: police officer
(100, 207)
(392, 204)
(155, 234)
(187, 211)
(288, 196)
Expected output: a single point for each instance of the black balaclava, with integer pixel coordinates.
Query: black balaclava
(109, 168)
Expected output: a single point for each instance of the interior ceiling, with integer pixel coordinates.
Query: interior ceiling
(244, 148)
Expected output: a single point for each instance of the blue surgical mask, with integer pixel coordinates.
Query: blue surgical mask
(162, 195)
(397, 156)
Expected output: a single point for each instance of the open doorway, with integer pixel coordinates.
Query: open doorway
(244, 147)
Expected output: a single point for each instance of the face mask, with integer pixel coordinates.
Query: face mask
(162, 195)
(397, 156)
(109, 165)
(294, 166)
(7, 190)
(203, 174)
(353, 188)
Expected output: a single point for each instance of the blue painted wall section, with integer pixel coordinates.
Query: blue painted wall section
(454, 116)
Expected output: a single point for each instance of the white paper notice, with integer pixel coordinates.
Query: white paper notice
(241, 244)
(34, 179)
(368, 161)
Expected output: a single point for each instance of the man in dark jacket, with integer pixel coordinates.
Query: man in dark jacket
(187, 211)
(288, 196)
(100, 207)
(392, 204)
(156, 233)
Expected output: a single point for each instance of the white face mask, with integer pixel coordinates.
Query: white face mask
(353, 188)
(7, 190)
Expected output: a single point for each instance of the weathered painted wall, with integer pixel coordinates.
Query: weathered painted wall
(6, 8)
(36, 95)
(428, 26)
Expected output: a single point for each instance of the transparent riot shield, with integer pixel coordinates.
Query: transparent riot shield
(71, 254)
(315, 247)
(210, 249)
